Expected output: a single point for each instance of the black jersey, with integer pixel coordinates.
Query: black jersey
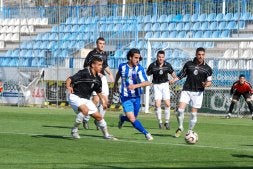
(84, 83)
(196, 74)
(96, 53)
(160, 74)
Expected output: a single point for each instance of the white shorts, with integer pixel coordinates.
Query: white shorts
(194, 99)
(105, 87)
(162, 91)
(75, 102)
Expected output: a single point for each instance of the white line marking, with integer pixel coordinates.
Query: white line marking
(133, 141)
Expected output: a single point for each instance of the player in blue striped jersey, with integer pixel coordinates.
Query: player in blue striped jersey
(133, 78)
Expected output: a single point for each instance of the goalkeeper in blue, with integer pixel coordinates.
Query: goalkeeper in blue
(133, 78)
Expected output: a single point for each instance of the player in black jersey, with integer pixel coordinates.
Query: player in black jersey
(99, 52)
(80, 87)
(160, 70)
(198, 76)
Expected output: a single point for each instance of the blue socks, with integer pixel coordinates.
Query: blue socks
(137, 124)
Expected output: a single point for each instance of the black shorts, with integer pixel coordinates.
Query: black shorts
(237, 95)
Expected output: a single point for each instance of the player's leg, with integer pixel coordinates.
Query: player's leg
(101, 123)
(195, 103)
(235, 98)
(130, 106)
(183, 101)
(158, 98)
(78, 105)
(167, 114)
(248, 100)
(166, 98)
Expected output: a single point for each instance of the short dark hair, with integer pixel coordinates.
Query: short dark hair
(95, 59)
(200, 49)
(242, 75)
(100, 38)
(160, 52)
(131, 52)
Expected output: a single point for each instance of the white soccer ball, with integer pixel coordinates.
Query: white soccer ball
(191, 137)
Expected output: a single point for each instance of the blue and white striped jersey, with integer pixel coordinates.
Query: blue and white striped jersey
(131, 75)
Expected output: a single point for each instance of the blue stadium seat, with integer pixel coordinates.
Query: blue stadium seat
(164, 27)
(231, 25)
(216, 34)
(225, 34)
(171, 26)
(194, 18)
(241, 24)
(148, 35)
(147, 19)
(157, 35)
(186, 18)
(165, 34)
(213, 26)
(140, 18)
(74, 28)
(204, 26)
(67, 28)
(196, 26)
(162, 18)
(222, 25)
(219, 17)
(198, 34)
(155, 27)
(246, 16)
(147, 27)
(207, 34)
(179, 26)
(236, 16)
(202, 17)
(173, 34)
(154, 18)
(177, 18)
(170, 17)
(187, 26)
(81, 20)
(181, 34)
(211, 17)
(228, 17)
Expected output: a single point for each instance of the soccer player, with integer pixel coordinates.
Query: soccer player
(133, 78)
(244, 88)
(199, 76)
(160, 70)
(99, 52)
(80, 87)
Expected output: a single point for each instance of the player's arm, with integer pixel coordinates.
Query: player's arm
(103, 100)
(149, 70)
(109, 72)
(175, 78)
(68, 86)
(142, 84)
(115, 87)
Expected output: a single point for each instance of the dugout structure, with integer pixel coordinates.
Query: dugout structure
(228, 57)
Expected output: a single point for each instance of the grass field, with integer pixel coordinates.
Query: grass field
(38, 138)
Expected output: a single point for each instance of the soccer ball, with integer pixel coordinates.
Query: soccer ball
(191, 137)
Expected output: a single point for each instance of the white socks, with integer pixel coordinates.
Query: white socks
(193, 120)
(159, 114)
(180, 118)
(103, 126)
(167, 114)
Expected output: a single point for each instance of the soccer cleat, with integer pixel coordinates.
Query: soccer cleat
(75, 135)
(228, 116)
(86, 125)
(96, 124)
(120, 123)
(160, 125)
(149, 137)
(178, 133)
(110, 137)
(167, 126)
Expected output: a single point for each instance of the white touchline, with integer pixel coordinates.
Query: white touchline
(133, 141)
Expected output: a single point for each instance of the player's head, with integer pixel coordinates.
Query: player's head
(200, 54)
(96, 64)
(242, 78)
(133, 56)
(160, 56)
(100, 43)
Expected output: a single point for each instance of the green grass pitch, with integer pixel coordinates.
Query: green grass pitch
(39, 138)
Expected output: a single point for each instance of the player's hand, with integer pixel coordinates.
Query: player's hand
(131, 87)
(70, 90)
(104, 104)
(171, 82)
(111, 78)
(204, 84)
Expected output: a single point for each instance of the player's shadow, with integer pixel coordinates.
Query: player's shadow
(62, 127)
(242, 155)
(52, 136)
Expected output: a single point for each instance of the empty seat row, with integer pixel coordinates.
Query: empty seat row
(17, 29)
(24, 21)
(238, 54)
(65, 36)
(9, 37)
